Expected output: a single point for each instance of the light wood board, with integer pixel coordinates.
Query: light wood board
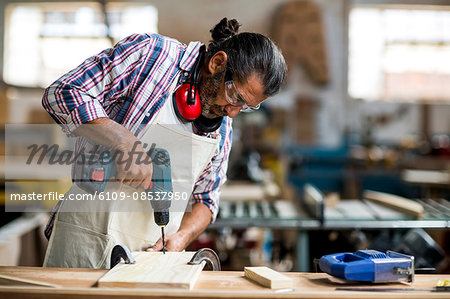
(64, 277)
(154, 270)
(9, 280)
(399, 203)
(268, 277)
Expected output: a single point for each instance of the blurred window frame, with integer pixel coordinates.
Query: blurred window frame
(68, 33)
(395, 86)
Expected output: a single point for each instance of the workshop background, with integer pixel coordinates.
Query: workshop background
(354, 153)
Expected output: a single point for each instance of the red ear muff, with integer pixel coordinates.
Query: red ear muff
(187, 104)
(187, 108)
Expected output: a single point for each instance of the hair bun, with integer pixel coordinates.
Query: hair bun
(225, 29)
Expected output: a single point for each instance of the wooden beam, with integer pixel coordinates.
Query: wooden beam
(268, 277)
(8, 280)
(65, 277)
(399, 203)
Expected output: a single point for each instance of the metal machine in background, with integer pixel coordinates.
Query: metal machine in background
(418, 243)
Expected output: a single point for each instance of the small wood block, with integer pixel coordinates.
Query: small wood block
(154, 270)
(268, 277)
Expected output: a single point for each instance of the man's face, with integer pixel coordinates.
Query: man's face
(209, 93)
(213, 97)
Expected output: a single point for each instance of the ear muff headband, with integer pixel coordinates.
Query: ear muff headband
(195, 75)
(186, 100)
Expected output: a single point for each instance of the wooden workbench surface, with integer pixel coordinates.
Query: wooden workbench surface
(80, 283)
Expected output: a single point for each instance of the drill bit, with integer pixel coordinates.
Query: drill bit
(163, 241)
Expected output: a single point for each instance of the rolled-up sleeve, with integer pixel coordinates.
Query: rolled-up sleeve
(70, 107)
(207, 187)
(80, 95)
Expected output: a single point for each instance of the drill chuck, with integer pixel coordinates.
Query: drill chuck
(161, 218)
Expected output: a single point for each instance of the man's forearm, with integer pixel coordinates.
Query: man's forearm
(195, 222)
(107, 132)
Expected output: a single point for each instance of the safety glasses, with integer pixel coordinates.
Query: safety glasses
(233, 96)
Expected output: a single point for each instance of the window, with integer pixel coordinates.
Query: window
(45, 40)
(399, 53)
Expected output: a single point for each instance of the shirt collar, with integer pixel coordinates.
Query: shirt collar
(190, 55)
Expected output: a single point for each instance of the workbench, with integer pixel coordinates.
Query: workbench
(80, 283)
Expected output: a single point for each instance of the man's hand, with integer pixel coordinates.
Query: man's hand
(176, 242)
(133, 164)
(192, 225)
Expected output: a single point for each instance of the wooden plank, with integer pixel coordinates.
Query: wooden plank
(426, 177)
(238, 192)
(8, 280)
(385, 213)
(65, 277)
(154, 270)
(399, 203)
(268, 277)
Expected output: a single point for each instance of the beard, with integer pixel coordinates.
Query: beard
(209, 87)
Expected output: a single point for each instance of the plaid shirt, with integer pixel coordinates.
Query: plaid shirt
(129, 84)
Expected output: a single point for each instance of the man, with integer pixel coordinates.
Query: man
(117, 97)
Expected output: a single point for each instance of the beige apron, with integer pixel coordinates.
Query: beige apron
(84, 239)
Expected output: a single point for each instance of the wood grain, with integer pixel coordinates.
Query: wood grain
(399, 203)
(65, 277)
(220, 284)
(154, 270)
(9, 280)
(268, 277)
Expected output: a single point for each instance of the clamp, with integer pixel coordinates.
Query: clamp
(120, 252)
(208, 256)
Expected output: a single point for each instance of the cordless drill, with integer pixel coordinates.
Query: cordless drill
(94, 171)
